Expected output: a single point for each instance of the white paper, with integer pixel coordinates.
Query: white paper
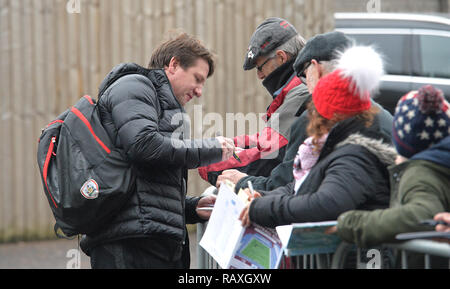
(298, 183)
(224, 228)
(284, 233)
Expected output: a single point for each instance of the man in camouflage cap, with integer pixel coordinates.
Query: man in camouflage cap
(272, 50)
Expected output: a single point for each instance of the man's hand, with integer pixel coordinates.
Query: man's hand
(250, 196)
(245, 214)
(442, 217)
(227, 145)
(232, 175)
(205, 202)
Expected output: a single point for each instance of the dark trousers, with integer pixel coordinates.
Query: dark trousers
(130, 254)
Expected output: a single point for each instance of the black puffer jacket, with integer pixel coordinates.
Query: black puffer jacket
(141, 114)
(351, 173)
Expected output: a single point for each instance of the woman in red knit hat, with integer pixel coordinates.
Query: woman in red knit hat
(342, 165)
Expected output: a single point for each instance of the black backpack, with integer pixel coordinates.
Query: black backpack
(86, 178)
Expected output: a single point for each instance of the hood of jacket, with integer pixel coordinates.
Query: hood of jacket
(157, 76)
(384, 152)
(438, 153)
(342, 131)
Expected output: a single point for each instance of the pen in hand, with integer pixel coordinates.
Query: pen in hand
(206, 208)
(236, 157)
(250, 186)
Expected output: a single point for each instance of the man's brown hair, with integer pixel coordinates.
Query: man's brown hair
(186, 49)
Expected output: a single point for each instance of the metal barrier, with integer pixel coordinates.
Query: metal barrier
(419, 249)
(348, 255)
(428, 248)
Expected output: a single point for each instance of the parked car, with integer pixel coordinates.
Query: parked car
(415, 47)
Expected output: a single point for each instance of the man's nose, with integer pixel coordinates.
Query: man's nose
(198, 91)
(260, 74)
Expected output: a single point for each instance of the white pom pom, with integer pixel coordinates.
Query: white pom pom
(364, 66)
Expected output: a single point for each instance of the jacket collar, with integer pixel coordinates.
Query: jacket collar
(275, 81)
(294, 81)
(438, 153)
(386, 153)
(118, 71)
(351, 126)
(158, 78)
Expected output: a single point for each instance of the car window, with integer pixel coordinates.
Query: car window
(435, 56)
(394, 48)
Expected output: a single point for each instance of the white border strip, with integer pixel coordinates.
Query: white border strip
(393, 16)
(419, 79)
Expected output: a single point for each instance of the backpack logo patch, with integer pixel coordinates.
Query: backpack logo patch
(90, 190)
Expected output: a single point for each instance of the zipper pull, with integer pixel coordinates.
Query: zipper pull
(53, 141)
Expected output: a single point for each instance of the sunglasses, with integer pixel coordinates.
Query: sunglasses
(302, 72)
(260, 67)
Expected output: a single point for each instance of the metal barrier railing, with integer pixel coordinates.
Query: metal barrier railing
(421, 249)
(428, 248)
(348, 255)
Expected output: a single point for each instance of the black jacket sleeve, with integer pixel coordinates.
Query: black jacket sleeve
(136, 114)
(190, 212)
(348, 183)
(280, 176)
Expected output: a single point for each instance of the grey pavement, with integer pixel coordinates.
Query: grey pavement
(56, 254)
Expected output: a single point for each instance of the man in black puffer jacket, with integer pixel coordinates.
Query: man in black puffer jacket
(142, 110)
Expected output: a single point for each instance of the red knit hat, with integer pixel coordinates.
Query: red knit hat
(347, 90)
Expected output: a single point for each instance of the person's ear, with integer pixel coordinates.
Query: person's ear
(282, 56)
(173, 65)
(318, 68)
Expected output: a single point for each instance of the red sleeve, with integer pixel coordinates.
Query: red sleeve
(246, 141)
(268, 142)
